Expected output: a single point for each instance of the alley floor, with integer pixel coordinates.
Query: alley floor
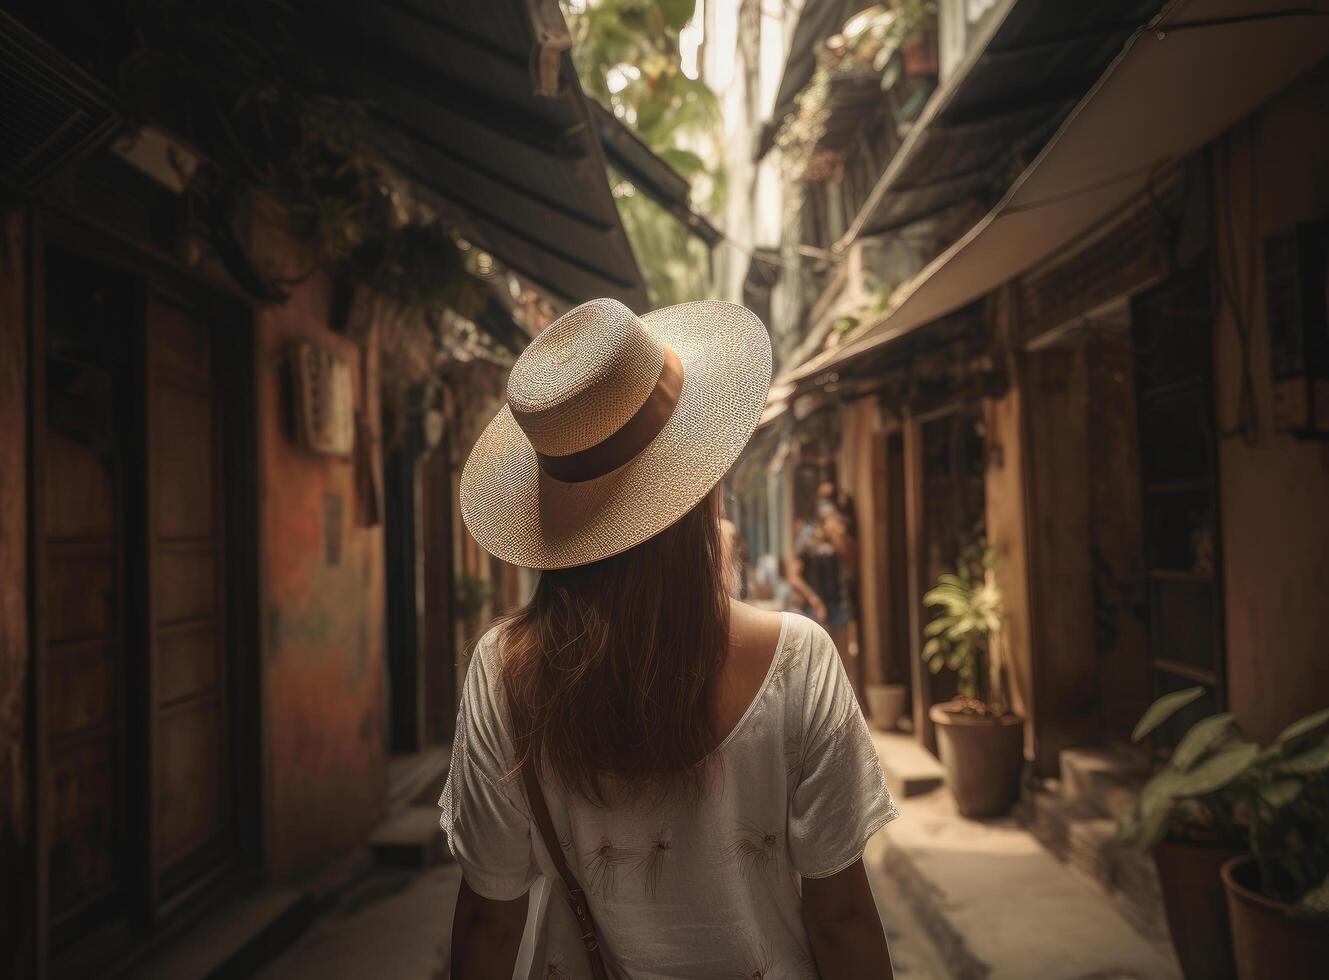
(394, 925)
(961, 900)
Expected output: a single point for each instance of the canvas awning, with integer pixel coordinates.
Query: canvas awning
(451, 84)
(1199, 67)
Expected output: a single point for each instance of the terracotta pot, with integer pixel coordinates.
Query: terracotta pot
(886, 705)
(1267, 940)
(1196, 903)
(982, 757)
(920, 56)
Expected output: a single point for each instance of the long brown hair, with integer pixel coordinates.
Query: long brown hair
(610, 669)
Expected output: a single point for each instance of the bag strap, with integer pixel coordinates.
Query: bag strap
(581, 911)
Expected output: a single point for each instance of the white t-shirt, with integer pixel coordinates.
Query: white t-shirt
(680, 891)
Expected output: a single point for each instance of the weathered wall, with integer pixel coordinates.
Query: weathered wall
(1270, 172)
(15, 796)
(322, 607)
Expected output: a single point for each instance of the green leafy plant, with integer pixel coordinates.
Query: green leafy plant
(965, 636)
(1218, 787)
(628, 57)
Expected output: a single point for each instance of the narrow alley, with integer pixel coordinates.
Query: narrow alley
(1041, 291)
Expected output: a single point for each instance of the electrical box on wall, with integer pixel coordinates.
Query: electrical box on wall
(1296, 277)
(324, 405)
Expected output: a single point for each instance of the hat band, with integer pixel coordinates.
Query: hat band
(630, 438)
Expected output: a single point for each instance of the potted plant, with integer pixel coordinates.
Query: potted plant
(1186, 815)
(980, 741)
(1217, 797)
(1278, 895)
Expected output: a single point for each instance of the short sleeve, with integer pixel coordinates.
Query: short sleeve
(483, 811)
(840, 798)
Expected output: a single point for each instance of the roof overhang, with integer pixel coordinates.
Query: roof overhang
(451, 85)
(1199, 67)
(649, 174)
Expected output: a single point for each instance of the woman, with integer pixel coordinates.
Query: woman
(674, 784)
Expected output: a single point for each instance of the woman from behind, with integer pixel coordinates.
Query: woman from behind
(671, 783)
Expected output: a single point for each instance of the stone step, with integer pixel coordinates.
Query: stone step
(410, 838)
(1077, 833)
(910, 769)
(1104, 779)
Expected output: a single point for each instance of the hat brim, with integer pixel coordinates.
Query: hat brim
(518, 513)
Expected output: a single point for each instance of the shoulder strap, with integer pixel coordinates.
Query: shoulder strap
(581, 911)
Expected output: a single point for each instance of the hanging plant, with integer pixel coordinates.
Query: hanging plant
(233, 76)
(865, 46)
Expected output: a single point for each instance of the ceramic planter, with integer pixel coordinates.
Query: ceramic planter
(886, 705)
(1189, 876)
(982, 757)
(1267, 939)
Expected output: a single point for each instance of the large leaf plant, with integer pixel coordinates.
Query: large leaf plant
(965, 634)
(1218, 787)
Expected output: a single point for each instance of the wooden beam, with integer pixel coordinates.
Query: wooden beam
(920, 678)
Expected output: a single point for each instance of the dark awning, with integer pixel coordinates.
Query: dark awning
(1034, 61)
(525, 175)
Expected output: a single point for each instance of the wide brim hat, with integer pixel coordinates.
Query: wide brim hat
(615, 427)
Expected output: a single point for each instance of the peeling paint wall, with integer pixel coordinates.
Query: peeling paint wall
(322, 599)
(1270, 172)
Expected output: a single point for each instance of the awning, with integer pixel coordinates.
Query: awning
(450, 82)
(1201, 66)
(1030, 62)
(649, 174)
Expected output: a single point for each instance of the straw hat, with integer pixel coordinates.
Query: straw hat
(615, 427)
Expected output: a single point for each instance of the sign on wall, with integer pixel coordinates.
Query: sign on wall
(324, 403)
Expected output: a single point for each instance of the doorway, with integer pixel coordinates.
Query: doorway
(418, 542)
(1172, 329)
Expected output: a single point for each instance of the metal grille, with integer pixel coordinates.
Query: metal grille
(50, 111)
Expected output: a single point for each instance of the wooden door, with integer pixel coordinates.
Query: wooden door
(190, 824)
(84, 623)
(137, 802)
(84, 599)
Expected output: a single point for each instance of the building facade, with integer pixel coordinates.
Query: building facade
(1089, 371)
